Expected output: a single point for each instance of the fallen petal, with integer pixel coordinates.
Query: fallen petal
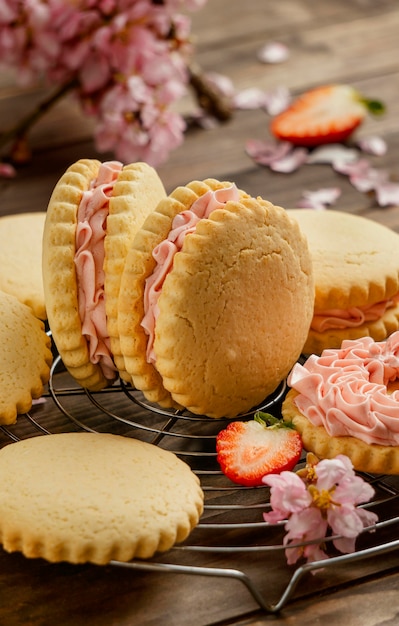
(7, 171)
(387, 194)
(333, 153)
(252, 98)
(370, 180)
(267, 152)
(291, 162)
(373, 145)
(350, 168)
(319, 199)
(277, 100)
(273, 52)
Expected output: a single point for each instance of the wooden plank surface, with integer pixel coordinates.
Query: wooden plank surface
(352, 41)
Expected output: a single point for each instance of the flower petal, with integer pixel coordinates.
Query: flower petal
(7, 171)
(373, 145)
(291, 162)
(288, 494)
(333, 153)
(251, 98)
(266, 152)
(387, 194)
(277, 100)
(319, 199)
(273, 52)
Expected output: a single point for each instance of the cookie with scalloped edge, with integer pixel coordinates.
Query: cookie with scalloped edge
(356, 267)
(94, 497)
(25, 358)
(372, 458)
(21, 259)
(134, 195)
(234, 310)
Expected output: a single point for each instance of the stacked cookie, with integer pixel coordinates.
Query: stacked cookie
(344, 398)
(214, 301)
(356, 273)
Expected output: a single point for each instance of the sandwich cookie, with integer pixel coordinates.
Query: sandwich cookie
(93, 214)
(356, 273)
(216, 300)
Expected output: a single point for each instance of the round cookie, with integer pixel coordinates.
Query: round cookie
(356, 273)
(133, 196)
(87, 497)
(25, 358)
(234, 310)
(21, 259)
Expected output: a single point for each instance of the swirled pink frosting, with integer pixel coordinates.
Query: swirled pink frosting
(183, 224)
(345, 390)
(352, 317)
(89, 261)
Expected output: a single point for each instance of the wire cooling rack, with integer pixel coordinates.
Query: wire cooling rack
(232, 540)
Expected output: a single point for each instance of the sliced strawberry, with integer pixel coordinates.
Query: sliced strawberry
(327, 114)
(247, 451)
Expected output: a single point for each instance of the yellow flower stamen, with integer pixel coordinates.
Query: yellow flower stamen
(322, 499)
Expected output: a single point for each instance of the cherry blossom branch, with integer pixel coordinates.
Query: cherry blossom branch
(212, 101)
(18, 133)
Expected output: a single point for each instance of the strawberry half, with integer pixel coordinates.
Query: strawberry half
(327, 114)
(247, 451)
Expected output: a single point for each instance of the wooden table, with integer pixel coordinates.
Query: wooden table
(351, 41)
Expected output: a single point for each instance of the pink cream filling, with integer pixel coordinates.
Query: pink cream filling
(353, 317)
(345, 390)
(183, 224)
(89, 262)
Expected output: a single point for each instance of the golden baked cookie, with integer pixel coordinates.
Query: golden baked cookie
(21, 259)
(25, 358)
(75, 317)
(87, 497)
(372, 458)
(234, 310)
(356, 274)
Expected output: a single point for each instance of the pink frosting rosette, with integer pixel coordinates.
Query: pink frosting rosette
(345, 390)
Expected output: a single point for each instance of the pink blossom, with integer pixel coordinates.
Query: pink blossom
(128, 62)
(322, 497)
(288, 495)
(306, 525)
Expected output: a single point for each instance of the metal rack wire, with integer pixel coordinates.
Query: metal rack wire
(231, 531)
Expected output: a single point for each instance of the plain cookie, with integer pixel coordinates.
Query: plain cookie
(25, 358)
(21, 259)
(85, 497)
